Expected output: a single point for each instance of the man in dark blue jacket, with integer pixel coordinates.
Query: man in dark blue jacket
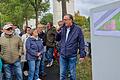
(71, 39)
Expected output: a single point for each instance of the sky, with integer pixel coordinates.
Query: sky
(84, 6)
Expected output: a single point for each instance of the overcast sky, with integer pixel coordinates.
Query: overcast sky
(85, 5)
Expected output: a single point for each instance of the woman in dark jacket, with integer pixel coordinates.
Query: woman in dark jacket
(34, 51)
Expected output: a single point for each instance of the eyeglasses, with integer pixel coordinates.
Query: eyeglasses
(66, 19)
(9, 29)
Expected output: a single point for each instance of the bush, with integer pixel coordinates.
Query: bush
(84, 70)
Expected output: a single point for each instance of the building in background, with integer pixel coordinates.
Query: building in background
(57, 10)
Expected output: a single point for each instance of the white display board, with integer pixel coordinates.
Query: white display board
(105, 45)
(107, 22)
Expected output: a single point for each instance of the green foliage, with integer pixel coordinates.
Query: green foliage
(15, 11)
(28, 11)
(43, 7)
(84, 70)
(47, 18)
(18, 11)
(81, 20)
(39, 7)
(84, 23)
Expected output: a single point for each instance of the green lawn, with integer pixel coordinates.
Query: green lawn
(84, 70)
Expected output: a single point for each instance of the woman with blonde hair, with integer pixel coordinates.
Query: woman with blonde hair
(34, 50)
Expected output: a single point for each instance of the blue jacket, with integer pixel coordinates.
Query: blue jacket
(33, 47)
(74, 41)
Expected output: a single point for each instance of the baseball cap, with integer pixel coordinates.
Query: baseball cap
(6, 27)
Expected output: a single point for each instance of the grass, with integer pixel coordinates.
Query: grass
(87, 35)
(84, 70)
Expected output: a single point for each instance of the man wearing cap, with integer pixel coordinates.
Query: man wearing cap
(11, 49)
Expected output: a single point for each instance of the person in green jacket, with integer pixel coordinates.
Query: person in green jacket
(50, 43)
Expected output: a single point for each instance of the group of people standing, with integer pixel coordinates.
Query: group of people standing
(35, 45)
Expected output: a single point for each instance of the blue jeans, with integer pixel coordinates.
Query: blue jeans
(41, 70)
(1, 75)
(33, 69)
(17, 70)
(49, 54)
(68, 64)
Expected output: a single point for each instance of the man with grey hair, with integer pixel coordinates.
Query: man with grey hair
(71, 39)
(15, 29)
(11, 49)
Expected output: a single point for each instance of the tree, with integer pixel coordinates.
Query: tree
(39, 7)
(84, 23)
(15, 11)
(80, 20)
(27, 10)
(11, 11)
(64, 9)
(47, 18)
(18, 11)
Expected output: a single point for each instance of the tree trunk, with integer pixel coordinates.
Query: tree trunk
(64, 10)
(26, 20)
(36, 12)
(36, 18)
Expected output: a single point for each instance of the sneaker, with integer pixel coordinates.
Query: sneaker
(48, 65)
(38, 79)
(51, 63)
(25, 73)
(68, 75)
